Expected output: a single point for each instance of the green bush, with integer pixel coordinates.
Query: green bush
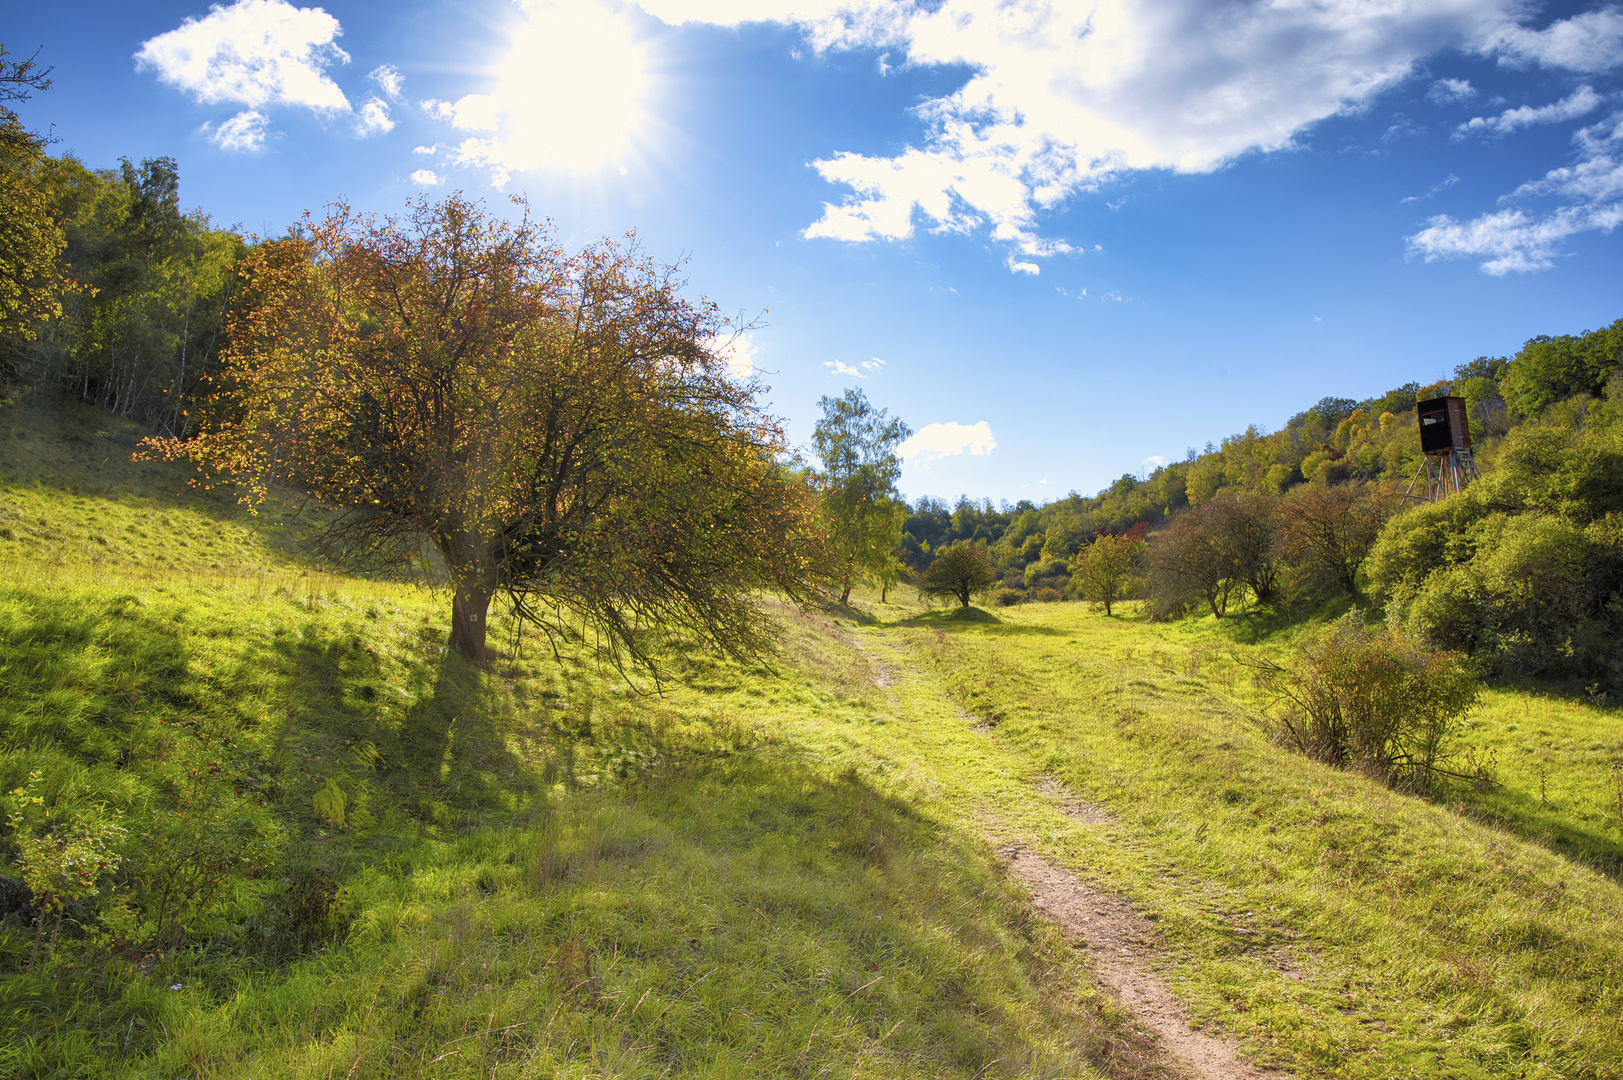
(1527, 593)
(1379, 700)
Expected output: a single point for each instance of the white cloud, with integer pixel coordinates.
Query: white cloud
(1442, 185)
(738, 351)
(373, 118)
(243, 133)
(1580, 101)
(568, 96)
(1155, 461)
(427, 178)
(389, 80)
(256, 53)
(945, 440)
(1067, 94)
(1589, 196)
(429, 150)
(1592, 41)
(1450, 91)
(840, 367)
(1022, 266)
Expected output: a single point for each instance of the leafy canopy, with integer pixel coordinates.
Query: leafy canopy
(857, 445)
(555, 427)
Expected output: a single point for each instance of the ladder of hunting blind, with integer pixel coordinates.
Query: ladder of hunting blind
(1445, 474)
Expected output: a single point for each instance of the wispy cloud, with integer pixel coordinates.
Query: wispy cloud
(860, 371)
(1592, 41)
(1523, 238)
(373, 118)
(243, 133)
(1580, 102)
(947, 440)
(390, 81)
(1450, 91)
(1442, 185)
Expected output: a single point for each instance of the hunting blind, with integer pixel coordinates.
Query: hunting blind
(1445, 440)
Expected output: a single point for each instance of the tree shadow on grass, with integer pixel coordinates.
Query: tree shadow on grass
(960, 618)
(831, 607)
(1520, 813)
(445, 760)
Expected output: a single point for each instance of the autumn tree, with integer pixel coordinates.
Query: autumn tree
(30, 237)
(1328, 531)
(1103, 571)
(559, 429)
(959, 571)
(1192, 560)
(857, 445)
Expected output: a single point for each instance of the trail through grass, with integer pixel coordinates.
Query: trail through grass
(356, 856)
(1338, 927)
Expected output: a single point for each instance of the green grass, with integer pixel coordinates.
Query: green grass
(1337, 927)
(536, 871)
(352, 855)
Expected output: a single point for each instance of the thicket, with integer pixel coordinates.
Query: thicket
(1524, 570)
(1375, 699)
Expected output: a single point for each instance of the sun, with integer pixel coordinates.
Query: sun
(570, 93)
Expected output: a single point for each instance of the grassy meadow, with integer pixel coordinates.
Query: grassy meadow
(349, 854)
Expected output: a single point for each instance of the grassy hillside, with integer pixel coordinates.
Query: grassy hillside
(348, 854)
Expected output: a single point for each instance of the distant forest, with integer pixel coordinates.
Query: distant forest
(1338, 440)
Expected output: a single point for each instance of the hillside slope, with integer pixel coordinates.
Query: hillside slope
(347, 853)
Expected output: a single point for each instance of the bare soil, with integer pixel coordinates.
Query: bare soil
(1117, 939)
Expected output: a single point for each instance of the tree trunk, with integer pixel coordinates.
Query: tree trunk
(470, 612)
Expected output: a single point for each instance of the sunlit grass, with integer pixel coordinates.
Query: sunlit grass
(1337, 926)
(531, 871)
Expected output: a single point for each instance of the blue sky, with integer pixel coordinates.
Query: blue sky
(1061, 240)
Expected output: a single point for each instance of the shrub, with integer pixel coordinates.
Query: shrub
(63, 851)
(1373, 699)
(1104, 570)
(1007, 597)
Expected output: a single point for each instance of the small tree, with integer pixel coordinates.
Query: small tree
(1191, 560)
(1103, 571)
(857, 444)
(62, 852)
(559, 429)
(1248, 532)
(1329, 530)
(959, 571)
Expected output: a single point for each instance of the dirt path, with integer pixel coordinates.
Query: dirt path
(1116, 939)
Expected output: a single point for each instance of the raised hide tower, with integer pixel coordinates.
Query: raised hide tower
(1445, 440)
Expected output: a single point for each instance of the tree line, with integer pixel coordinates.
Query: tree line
(557, 428)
